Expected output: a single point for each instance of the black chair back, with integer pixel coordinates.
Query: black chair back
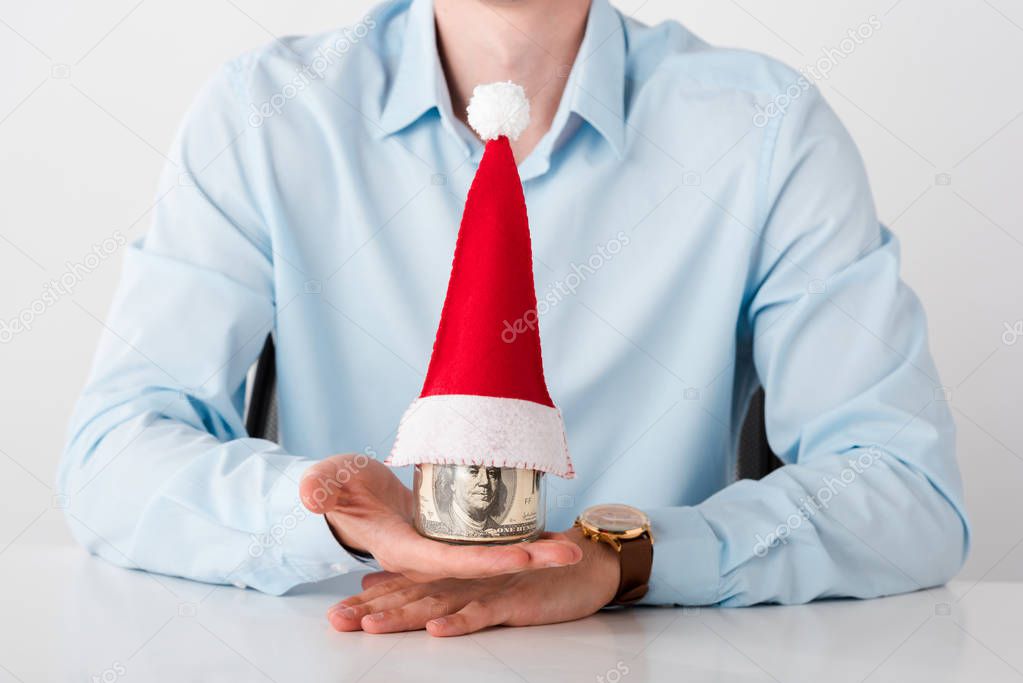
(754, 458)
(261, 415)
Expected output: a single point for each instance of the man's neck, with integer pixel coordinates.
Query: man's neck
(530, 42)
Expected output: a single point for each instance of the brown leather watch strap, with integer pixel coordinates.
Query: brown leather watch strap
(637, 560)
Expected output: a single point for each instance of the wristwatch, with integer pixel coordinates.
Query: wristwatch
(627, 530)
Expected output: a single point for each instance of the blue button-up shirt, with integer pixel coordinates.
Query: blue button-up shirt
(702, 225)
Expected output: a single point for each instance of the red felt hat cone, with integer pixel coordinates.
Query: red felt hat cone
(485, 400)
(484, 345)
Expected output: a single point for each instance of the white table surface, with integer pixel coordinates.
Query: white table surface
(67, 616)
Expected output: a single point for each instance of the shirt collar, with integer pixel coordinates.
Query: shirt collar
(419, 83)
(595, 89)
(596, 84)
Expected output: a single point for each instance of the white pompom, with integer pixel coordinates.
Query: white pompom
(498, 109)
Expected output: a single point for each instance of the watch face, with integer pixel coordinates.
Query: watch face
(614, 518)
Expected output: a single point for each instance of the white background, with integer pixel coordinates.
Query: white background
(91, 93)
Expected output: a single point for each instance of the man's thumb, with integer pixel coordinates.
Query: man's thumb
(319, 488)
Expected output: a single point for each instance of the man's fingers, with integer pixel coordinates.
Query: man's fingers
(424, 559)
(436, 559)
(480, 562)
(345, 615)
(370, 580)
(411, 607)
(389, 617)
(474, 616)
(382, 586)
(348, 615)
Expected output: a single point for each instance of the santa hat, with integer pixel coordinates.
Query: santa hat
(485, 399)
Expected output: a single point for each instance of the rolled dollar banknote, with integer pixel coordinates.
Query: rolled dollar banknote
(478, 504)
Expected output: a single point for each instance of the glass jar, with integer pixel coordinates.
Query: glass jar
(472, 504)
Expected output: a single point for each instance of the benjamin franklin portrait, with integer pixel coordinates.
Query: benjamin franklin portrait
(473, 500)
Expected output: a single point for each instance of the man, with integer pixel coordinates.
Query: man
(701, 225)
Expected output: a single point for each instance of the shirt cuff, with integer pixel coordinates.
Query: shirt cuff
(307, 545)
(687, 559)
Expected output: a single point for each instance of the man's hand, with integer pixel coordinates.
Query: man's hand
(455, 607)
(370, 510)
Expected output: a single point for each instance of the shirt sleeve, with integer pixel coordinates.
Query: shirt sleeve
(158, 471)
(869, 501)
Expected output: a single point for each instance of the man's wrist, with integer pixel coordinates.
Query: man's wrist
(358, 552)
